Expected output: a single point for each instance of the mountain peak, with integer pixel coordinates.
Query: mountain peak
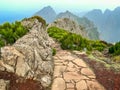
(107, 11)
(48, 13)
(47, 7)
(67, 11)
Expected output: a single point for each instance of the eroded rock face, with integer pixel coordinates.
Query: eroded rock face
(31, 55)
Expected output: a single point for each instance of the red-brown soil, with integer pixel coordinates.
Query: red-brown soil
(108, 78)
(19, 83)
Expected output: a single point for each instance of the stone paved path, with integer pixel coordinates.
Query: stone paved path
(72, 73)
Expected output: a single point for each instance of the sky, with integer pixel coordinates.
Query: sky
(58, 5)
(12, 10)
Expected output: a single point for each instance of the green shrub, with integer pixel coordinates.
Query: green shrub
(2, 43)
(73, 41)
(53, 51)
(9, 33)
(115, 49)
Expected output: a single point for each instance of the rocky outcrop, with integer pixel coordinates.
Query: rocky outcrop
(88, 26)
(31, 56)
(69, 25)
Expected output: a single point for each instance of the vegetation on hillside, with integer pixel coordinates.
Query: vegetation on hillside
(73, 41)
(115, 49)
(9, 33)
(53, 51)
(115, 52)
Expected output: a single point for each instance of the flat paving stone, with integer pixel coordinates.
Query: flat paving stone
(67, 57)
(58, 71)
(58, 84)
(88, 72)
(81, 85)
(72, 73)
(73, 76)
(70, 86)
(79, 62)
(94, 85)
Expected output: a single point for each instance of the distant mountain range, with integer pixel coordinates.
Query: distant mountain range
(49, 15)
(108, 23)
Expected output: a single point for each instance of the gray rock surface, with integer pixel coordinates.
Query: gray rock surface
(31, 55)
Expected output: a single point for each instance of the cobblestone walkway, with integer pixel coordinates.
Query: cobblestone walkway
(72, 73)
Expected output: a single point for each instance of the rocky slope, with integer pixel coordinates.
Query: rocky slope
(30, 58)
(69, 25)
(88, 26)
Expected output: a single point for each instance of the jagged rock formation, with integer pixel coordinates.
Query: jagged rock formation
(31, 56)
(88, 26)
(69, 25)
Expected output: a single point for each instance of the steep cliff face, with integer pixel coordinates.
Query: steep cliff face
(31, 56)
(69, 25)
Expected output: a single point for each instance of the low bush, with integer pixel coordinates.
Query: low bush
(53, 51)
(115, 49)
(73, 41)
(9, 33)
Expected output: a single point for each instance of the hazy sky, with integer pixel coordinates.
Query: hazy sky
(73, 5)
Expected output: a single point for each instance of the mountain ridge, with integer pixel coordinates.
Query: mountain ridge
(88, 26)
(107, 23)
(47, 13)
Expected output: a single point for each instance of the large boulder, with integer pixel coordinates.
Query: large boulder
(31, 55)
